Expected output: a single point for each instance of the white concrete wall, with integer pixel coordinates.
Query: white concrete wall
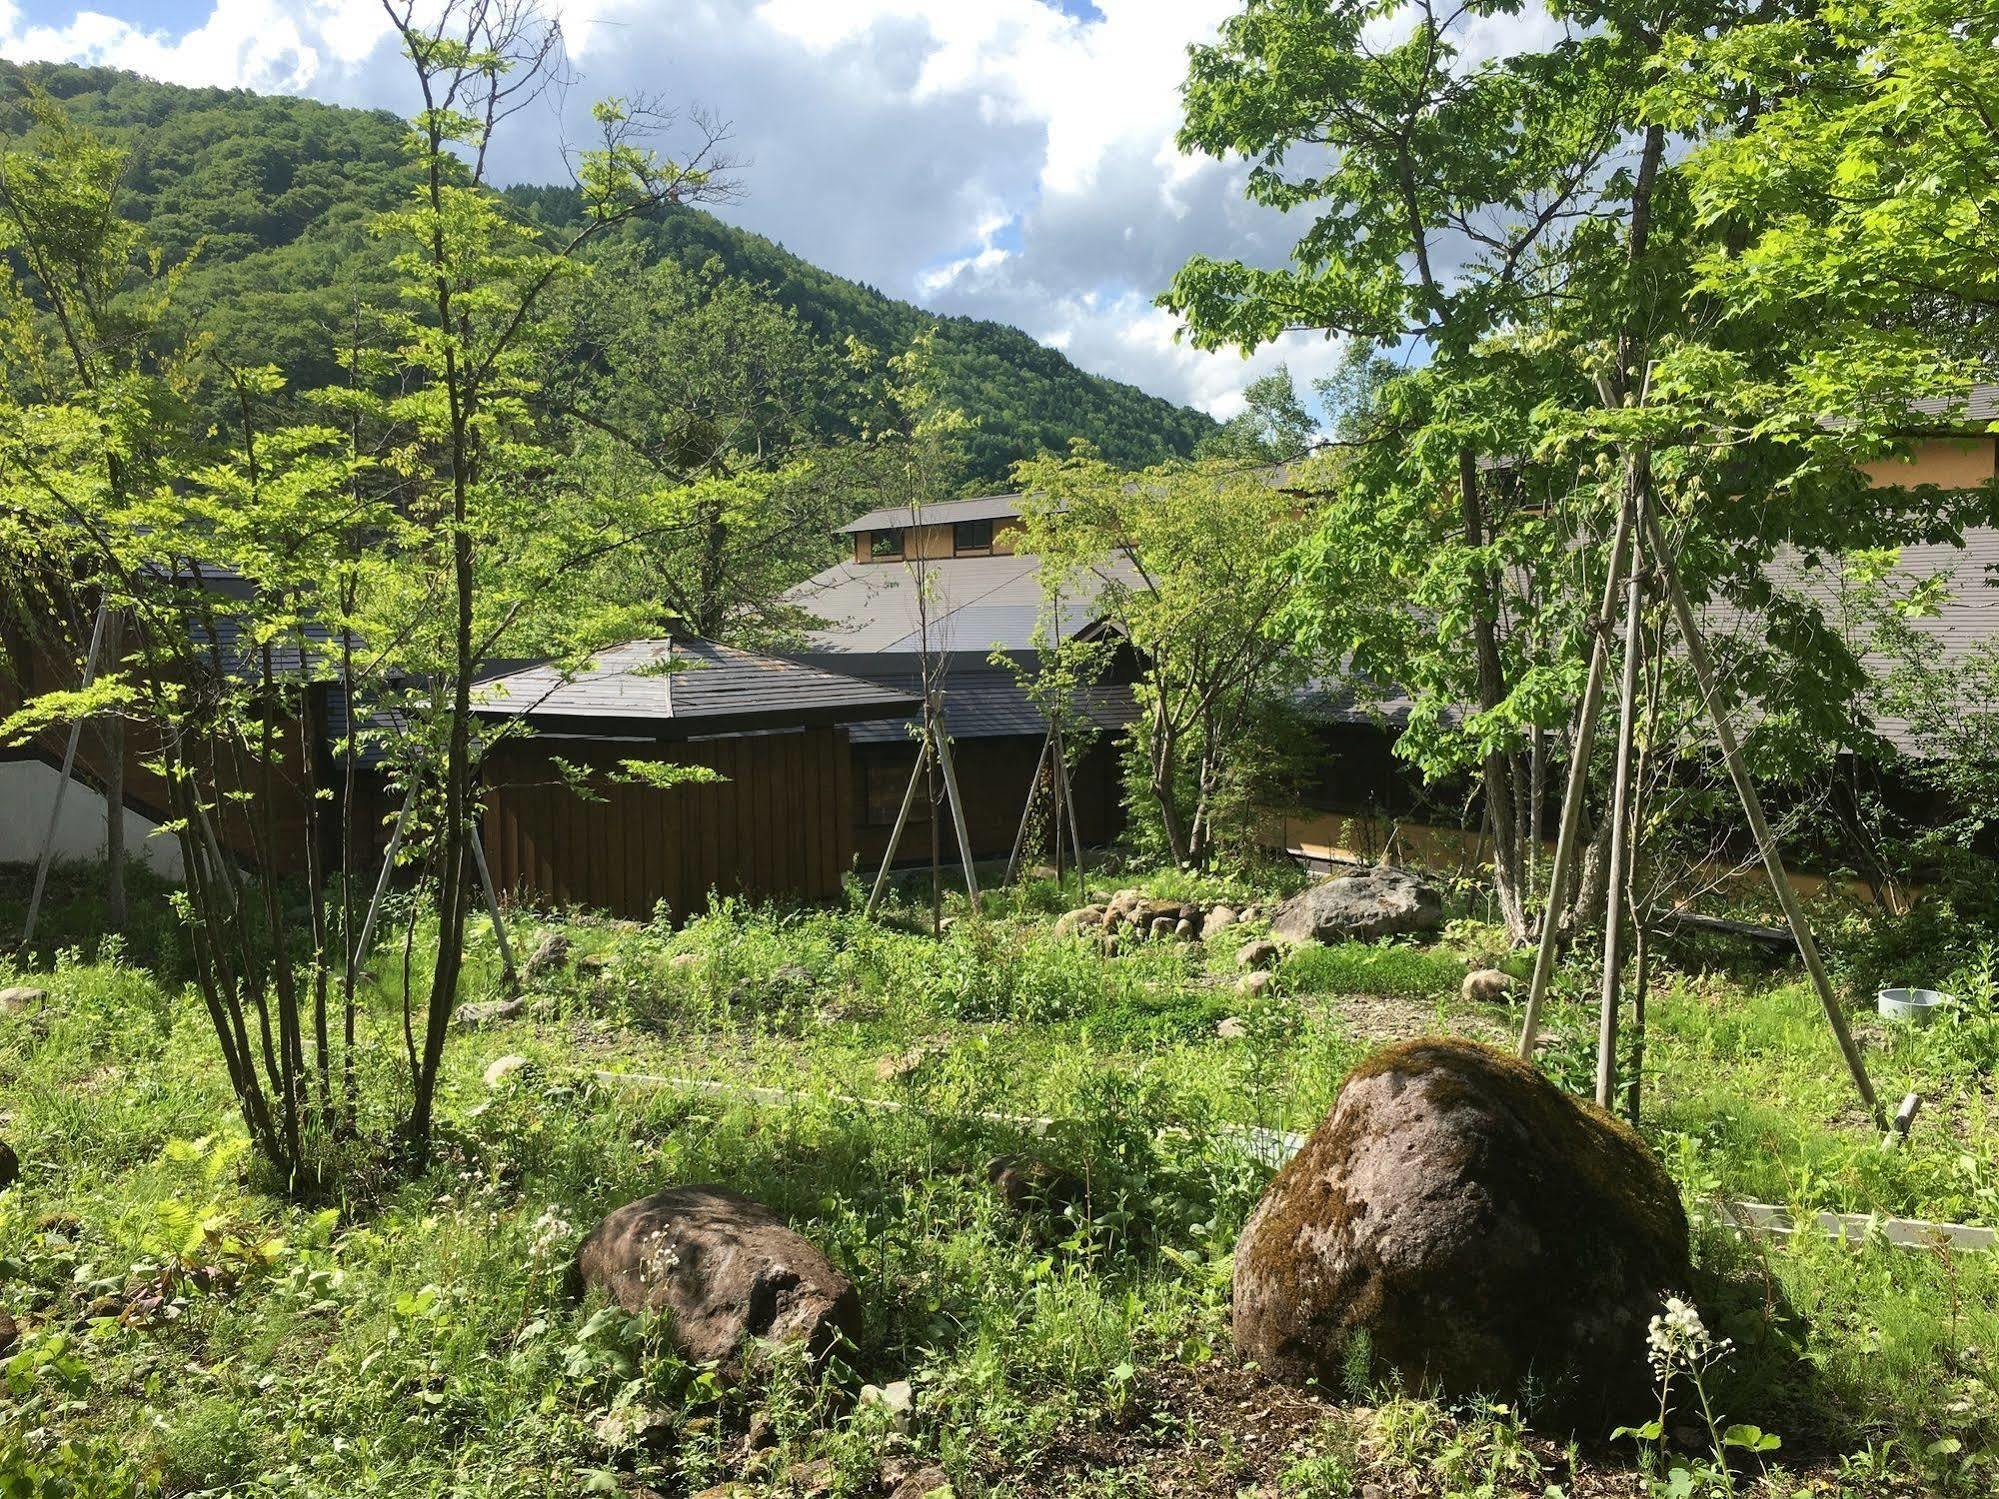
(28, 788)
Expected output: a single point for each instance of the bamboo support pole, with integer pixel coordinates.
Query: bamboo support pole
(1027, 811)
(957, 810)
(360, 949)
(1578, 782)
(1752, 809)
(62, 788)
(1069, 803)
(493, 908)
(901, 822)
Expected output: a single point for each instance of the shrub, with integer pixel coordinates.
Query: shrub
(1395, 969)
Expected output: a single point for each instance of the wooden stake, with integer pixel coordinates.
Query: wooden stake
(1027, 810)
(957, 810)
(901, 821)
(1752, 809)
(62, 789)
(1578, 782)
(382, 885)
(493, 909)
(1069, 804)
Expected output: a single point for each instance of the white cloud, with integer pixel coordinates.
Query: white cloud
(281, 46)
(999, 159)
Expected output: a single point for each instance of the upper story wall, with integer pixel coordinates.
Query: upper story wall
(1953, 462)
(979, 538)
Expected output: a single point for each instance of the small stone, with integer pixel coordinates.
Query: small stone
(1028, 1185)
(893, 1068)
(10, 1330)
(1258, 954)
(1184, 929)
(1070, 922)
(922, 1484)
(1231, 1029)
(10, 1166)
(815, 1477)
(472, 1017)
(791, 976)
(1162, 926)
(550, 953)
(595, 962)
(1256, 983)
(948, 925)
(501, 1069)
(1218, 920)
(896, 1397)
(1486, 986)
(20, 997)
(684, 962)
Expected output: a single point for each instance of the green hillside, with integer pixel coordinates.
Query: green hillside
(273, 198)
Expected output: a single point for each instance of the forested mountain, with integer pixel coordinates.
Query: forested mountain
(273, 199)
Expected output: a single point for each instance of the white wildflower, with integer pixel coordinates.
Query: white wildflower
(547, 1233)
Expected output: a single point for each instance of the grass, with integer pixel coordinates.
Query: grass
(187, 1331)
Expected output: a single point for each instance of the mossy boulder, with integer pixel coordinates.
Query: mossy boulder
(1459, 1221)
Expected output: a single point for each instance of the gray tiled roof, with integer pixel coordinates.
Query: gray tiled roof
(983, 701)
(942, 513)
(658, 686)
(1979, 404)
(979, 604)
(1967, 620)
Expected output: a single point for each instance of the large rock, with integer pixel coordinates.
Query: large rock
(1486, 1233)
(1379, 903)
(18, 997)
(728, 1270)
(1217, 920)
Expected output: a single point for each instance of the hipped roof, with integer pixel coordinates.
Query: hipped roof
(677, 688)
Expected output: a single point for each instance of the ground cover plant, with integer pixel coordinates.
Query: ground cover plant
(184, 1327)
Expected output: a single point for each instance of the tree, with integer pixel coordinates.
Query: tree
(694, 402)
(1189, 562)
(1406, 153)
(1272, 427)
(481, 555)
(108, 503)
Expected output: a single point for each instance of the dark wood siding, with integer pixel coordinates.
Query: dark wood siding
(778, 828)
(994, 775)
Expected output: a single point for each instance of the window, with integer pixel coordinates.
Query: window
(887, 784)
(972, 536)
(885, 546)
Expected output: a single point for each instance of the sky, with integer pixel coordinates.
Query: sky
(1003, 159)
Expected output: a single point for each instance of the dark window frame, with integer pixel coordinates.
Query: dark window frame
(886, 545)
(960, 546)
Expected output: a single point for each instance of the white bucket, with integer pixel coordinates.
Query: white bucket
(1915, 1006)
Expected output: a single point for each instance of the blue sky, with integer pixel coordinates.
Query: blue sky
(1004, 159)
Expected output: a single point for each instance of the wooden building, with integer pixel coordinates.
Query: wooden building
(567, 819)
(946, 581)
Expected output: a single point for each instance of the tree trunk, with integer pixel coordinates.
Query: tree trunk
(1501, 798)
